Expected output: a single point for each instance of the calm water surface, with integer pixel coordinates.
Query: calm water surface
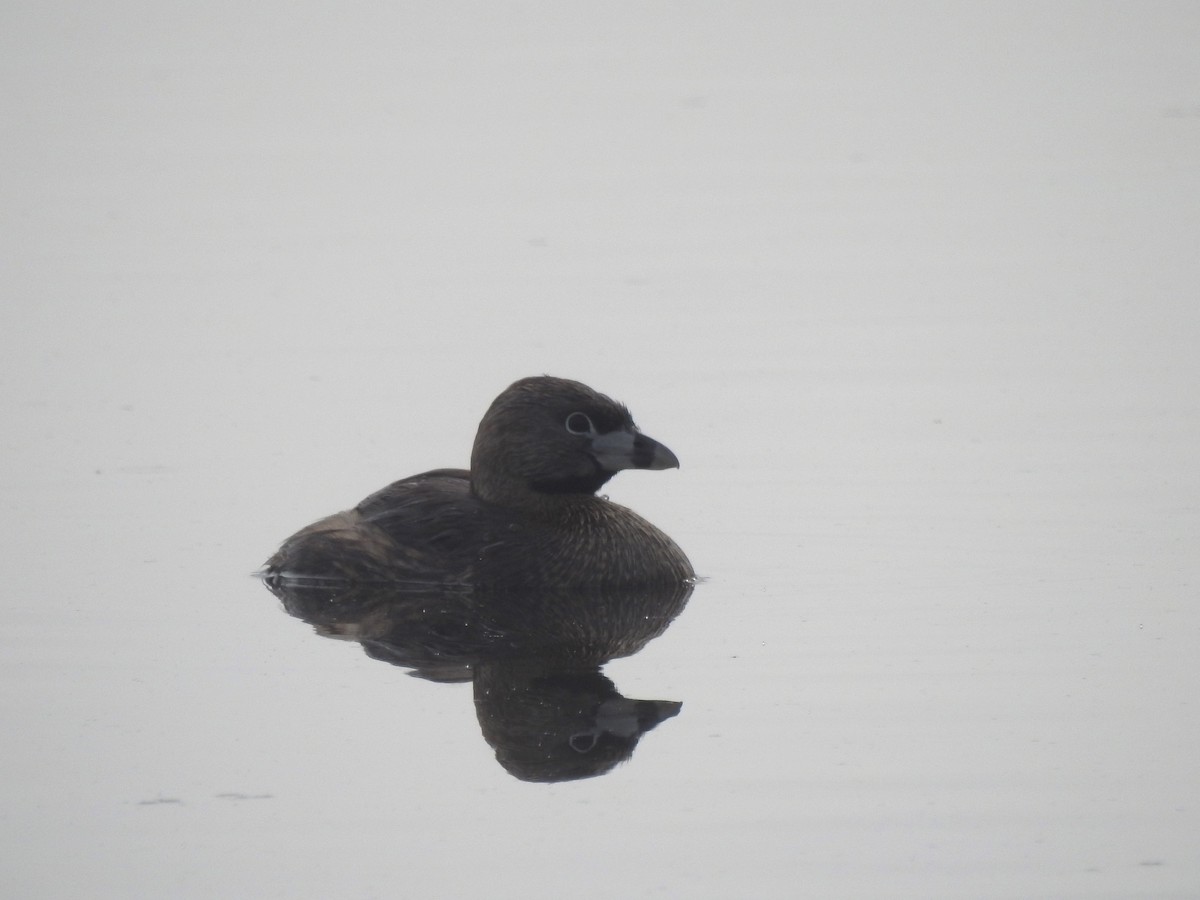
(912, 295)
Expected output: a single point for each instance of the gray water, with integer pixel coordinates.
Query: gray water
(910, 290)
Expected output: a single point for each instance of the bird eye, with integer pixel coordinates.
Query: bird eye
(578, 423)
(584, 741)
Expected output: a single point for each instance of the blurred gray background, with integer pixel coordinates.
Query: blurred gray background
(911, 289)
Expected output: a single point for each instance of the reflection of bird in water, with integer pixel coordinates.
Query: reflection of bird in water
(441, 635)
(524, 517)
(535, 660)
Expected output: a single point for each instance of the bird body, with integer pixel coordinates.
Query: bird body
(525, 516)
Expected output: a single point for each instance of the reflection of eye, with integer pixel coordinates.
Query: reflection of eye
(578, 423)
(584, 741)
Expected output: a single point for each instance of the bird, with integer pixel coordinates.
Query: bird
(524, 517)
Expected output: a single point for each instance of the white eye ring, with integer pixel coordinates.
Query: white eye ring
(579, 423)
(584, 741)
